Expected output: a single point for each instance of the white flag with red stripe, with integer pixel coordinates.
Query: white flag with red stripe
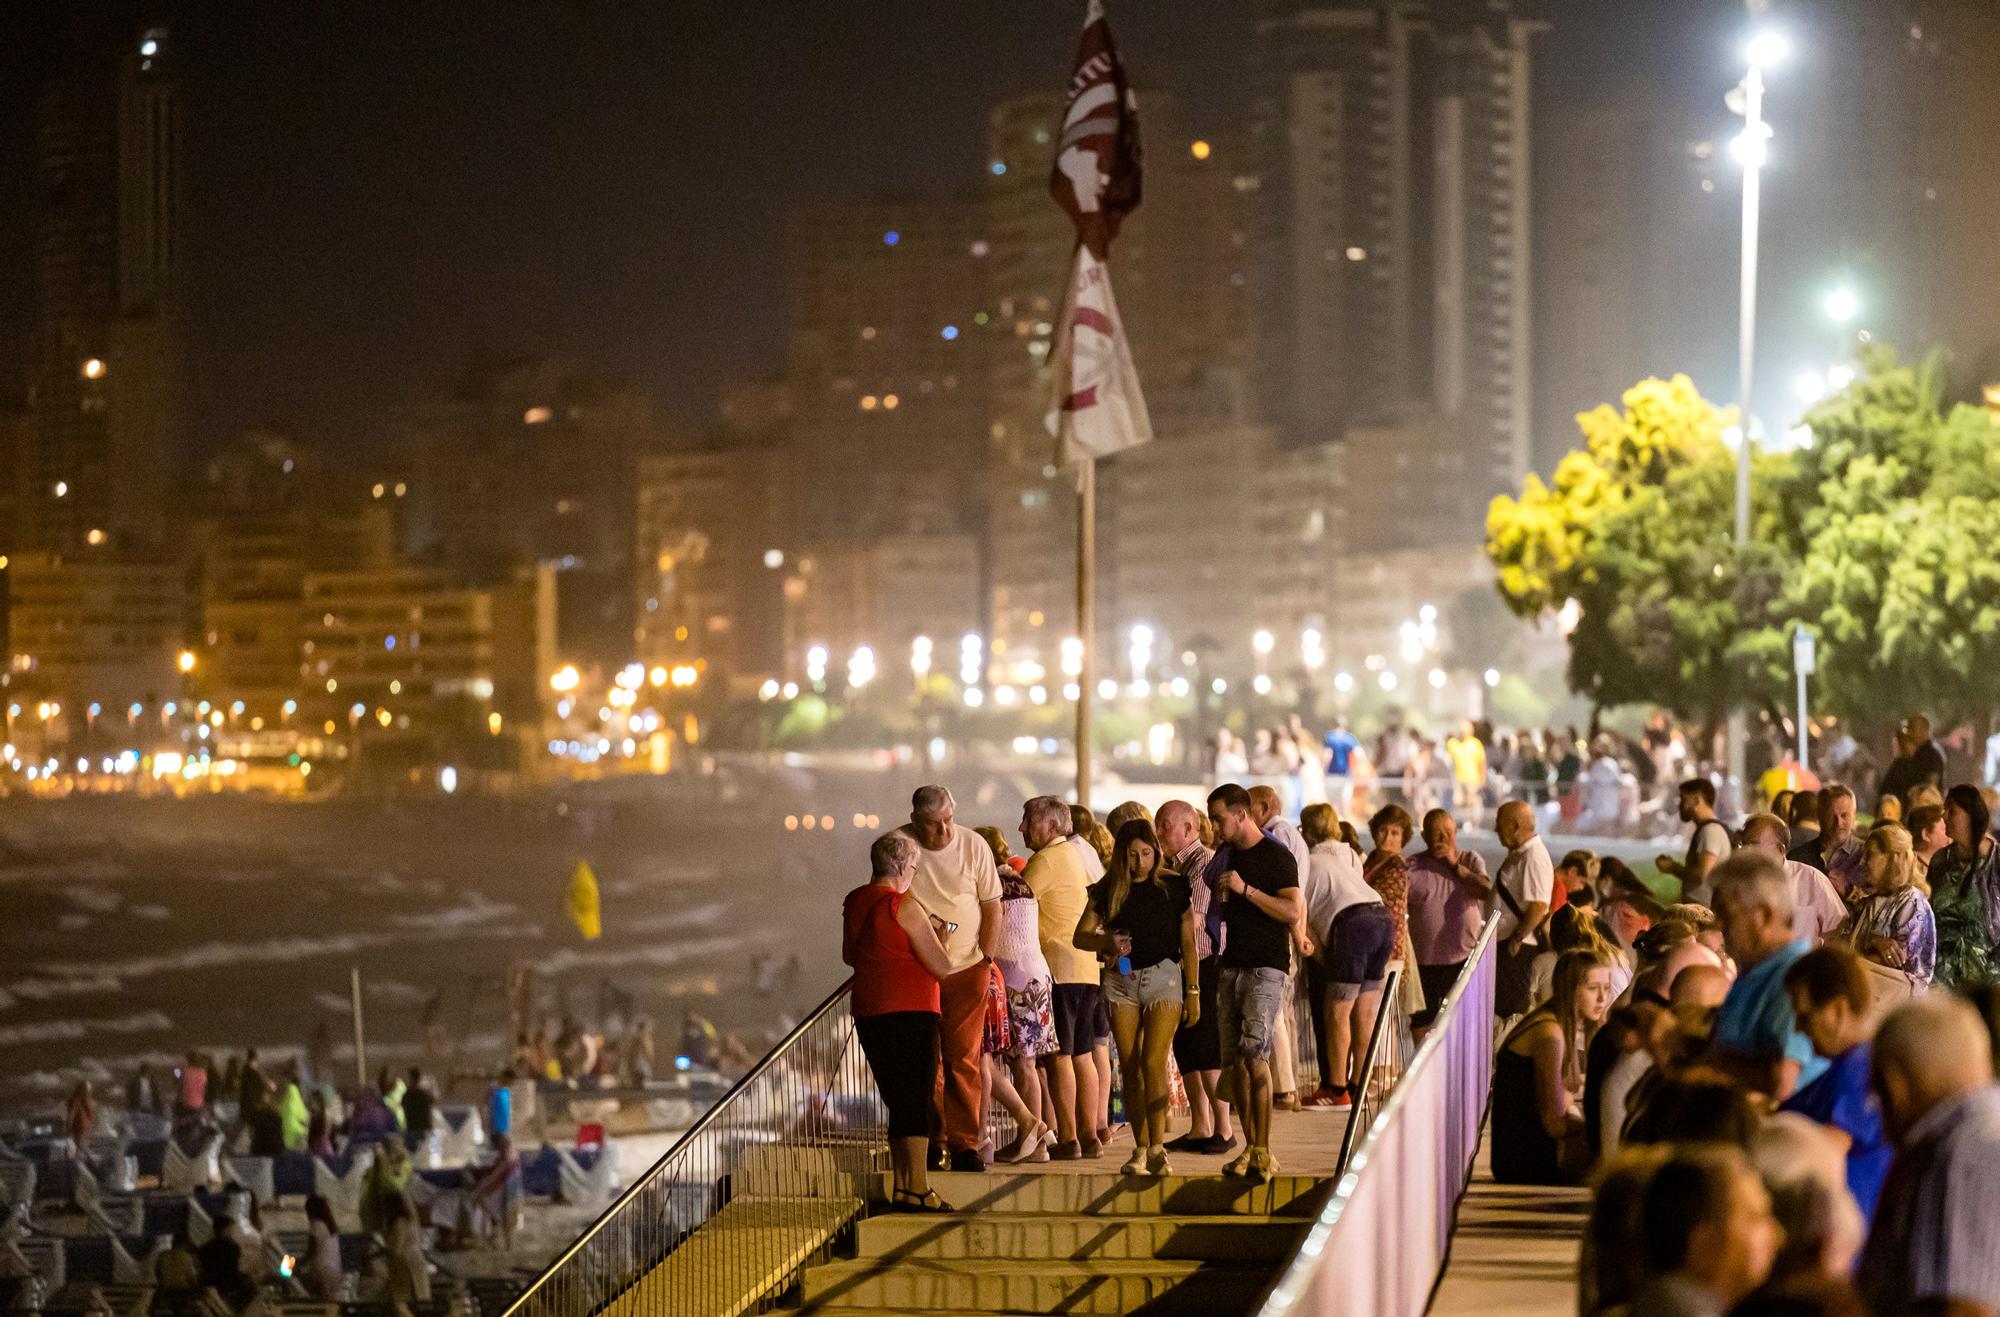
(1097, 409)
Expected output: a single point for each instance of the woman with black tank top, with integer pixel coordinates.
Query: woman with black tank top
(1538, 1076)
(1141, 924)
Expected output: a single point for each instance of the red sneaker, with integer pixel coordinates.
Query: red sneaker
(1325, 1099)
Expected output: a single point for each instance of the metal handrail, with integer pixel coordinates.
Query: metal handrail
(1357, 1116)
(666, 1206)
(1296, 1281)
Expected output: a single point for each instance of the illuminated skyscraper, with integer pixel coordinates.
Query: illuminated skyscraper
(108, 261)
(1392, 275)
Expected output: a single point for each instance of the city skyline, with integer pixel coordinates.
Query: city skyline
(304, 176)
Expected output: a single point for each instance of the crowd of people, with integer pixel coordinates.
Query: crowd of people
(1780, 1084)
(1178, 938)
(277, 1111)
(1773, 1061)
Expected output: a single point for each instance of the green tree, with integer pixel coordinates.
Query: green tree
(1898, 506)
(1634, 532)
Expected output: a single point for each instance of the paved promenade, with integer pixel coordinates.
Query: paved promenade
(1515, 1250)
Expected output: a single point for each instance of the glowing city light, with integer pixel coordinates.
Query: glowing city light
(187, 660)
(1263, 642)
(861, 667)
(1767, 48)
(1842, 305)
(891, 238)
(93, 368)
(1199, 149)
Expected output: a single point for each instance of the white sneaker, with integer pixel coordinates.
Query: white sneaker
(1240, 1166)
(1135, 1164)
(1157, 1163)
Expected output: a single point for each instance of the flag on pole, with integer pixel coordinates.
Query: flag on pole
(581, 901)
(1097, 409)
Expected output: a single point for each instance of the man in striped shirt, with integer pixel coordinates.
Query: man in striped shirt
(1935, 1242)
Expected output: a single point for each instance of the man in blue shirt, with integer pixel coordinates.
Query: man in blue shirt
(1757, 1037)
(1340, 747)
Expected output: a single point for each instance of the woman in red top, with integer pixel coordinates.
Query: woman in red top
(897, 961)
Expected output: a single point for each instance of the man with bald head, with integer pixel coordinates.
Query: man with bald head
(1524, 887)
(1935, 1244)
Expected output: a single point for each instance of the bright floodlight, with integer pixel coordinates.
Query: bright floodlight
(1842, 305)
(1752, 146)
(1810, 386)
(1767, 48)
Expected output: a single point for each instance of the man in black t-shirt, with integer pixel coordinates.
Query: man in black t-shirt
(1259, 892)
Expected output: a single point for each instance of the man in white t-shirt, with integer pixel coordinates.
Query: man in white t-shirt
(1523, 888)
(959, 887)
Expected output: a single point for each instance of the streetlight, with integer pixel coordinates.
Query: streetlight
(1842, 304)
(1752, 147)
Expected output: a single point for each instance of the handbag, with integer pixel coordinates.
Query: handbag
(999, 1024)
(1888, 988)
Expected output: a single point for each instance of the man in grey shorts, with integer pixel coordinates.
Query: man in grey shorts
(1260, 900)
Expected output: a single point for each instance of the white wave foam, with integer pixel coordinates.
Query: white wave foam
(97, 900)
(58, 1031)
(154, 912)
(657, 956)
(472, 911)
(215, 955)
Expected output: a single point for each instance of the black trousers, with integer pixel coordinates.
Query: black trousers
(1317, 985)
(902, 1052)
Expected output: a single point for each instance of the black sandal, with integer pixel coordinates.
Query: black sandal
(909, 1200)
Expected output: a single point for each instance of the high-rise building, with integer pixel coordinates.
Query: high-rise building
(1883, 114)
(711, 571)
(888, 398)
(531, 461)
(108, 261)
(1392, 274)
(1180, 275)
(1634, 256)
(91, 633)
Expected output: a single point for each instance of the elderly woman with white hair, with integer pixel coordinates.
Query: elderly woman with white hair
(897, 961)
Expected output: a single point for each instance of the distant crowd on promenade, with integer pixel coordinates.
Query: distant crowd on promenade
(1777, 1073)
(1596, 783)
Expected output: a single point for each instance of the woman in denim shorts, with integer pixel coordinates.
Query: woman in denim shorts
(1140, 923)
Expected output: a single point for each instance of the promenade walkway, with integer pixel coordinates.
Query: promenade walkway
(1514, 1251)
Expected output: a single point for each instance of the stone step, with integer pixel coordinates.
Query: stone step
(1109, 1193)
(930, 1285)
(1231, 1238)
(774, 1170)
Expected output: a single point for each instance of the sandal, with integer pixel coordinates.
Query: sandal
(909, 1200)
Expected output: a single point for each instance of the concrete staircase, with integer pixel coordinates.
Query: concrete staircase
(1070, 1243)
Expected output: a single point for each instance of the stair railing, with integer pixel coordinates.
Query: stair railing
(811, 1092)
(1383, 1066)
(1382, 1238)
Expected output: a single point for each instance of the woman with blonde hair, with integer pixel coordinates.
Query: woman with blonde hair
(1893, 927)
(1140, 922)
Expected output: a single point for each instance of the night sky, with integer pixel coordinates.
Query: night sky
(380, 188)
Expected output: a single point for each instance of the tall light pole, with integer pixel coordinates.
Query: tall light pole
(1752, 146)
